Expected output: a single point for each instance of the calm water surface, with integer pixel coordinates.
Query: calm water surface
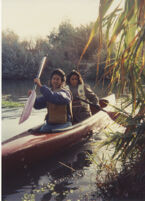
(52, 179)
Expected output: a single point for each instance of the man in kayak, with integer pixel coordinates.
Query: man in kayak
(81, 110)
(57, 99)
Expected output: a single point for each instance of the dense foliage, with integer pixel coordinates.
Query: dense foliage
(126, 28)
(20, 59)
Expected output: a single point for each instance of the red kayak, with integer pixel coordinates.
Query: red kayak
(31, 147)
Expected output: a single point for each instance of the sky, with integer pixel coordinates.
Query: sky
(37, 18)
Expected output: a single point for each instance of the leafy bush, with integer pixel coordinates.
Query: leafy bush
(63, 47)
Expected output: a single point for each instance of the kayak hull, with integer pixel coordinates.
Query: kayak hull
(29, 148)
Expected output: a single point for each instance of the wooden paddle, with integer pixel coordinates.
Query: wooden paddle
(112, 115)
(30, 102)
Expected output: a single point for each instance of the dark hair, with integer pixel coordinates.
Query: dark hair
(59, 72)
(74, 72)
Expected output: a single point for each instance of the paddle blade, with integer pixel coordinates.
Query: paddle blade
(118, 117)
(28, 107)
(103, 103)
(113, 115)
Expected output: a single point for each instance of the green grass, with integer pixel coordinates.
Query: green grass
(11, 104)
(8, 103)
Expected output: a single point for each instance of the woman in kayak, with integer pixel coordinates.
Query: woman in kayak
(57, 99)
(81, 110)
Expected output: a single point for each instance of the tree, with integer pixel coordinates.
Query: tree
(21, 59)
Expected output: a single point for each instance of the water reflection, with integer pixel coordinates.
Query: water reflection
(8, 113)
(16, 88)
(58, 181)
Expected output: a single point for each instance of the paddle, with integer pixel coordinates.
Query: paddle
(112, 115)
(30, 102)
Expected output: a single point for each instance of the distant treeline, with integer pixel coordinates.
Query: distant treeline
(21, 59)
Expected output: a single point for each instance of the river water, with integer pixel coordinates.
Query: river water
(66, 177)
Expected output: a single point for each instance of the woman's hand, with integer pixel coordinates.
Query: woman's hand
(29, 92)
(37, 81)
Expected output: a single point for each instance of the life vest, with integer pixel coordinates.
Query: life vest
(58, 113)
(82, 95)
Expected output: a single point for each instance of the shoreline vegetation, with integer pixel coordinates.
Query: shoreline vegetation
(21, 59)
(8, 103)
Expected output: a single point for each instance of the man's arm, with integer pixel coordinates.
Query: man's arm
(61, 97)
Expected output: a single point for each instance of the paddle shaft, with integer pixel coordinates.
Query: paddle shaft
(40, 70)
(95, 105)
(30, 102)
(112, 115)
